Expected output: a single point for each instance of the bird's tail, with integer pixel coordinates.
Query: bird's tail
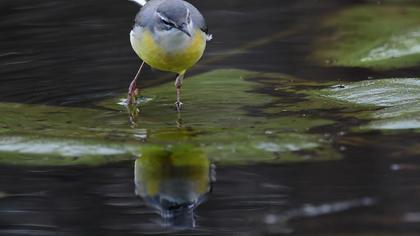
(140, 2)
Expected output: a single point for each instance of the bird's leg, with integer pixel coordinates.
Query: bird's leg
(132, 89)
(178, 85)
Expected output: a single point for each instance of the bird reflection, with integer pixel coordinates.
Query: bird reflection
(174, 181)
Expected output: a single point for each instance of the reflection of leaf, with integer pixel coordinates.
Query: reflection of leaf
(364, 37)
(232, 115)
(398, 98)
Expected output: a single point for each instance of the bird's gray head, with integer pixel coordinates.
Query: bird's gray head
(173, 15)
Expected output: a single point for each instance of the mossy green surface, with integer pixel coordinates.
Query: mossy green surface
(376, 36)
(234, 116)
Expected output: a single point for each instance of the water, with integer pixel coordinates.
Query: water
(76, 54)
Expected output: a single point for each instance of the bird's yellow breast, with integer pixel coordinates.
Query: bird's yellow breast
(158, 56)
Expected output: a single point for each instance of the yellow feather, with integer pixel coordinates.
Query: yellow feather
(155, 56)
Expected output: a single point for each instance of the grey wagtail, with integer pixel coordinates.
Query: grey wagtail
(169, 35)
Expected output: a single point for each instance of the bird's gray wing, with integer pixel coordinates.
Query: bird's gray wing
(197, 18)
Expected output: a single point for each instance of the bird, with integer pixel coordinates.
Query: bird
(168, 35)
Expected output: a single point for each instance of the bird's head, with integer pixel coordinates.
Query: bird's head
(173, 16)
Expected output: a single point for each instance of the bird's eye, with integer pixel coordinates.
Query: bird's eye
(170, 24)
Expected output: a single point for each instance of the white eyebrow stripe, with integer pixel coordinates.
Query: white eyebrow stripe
(140, 2)
(165, 18)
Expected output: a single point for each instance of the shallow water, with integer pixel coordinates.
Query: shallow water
(77, 55)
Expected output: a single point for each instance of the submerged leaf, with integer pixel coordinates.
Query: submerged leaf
(381, 92)
(398, 101)
(363, 37)
(234, 116)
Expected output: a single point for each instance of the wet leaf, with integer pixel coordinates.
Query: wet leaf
(362, 37)
(37, 150)
(63, 122)
(393, 104)
(218, 115)
(234, 116)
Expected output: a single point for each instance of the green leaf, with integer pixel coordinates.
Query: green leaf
(393, 104)
(374, 36)
(233, 116)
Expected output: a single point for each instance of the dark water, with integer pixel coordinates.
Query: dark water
(74, 53)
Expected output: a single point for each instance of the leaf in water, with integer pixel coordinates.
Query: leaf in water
(381, 92)
(235, 116)
(225, 114)
(399, 100)
(35, 150)
(363, 37)
(63, 122)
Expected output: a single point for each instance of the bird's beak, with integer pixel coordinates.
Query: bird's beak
(184, 29)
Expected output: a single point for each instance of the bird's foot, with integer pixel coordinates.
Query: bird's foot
(133, 110)
(132, 96)
(178, 105)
